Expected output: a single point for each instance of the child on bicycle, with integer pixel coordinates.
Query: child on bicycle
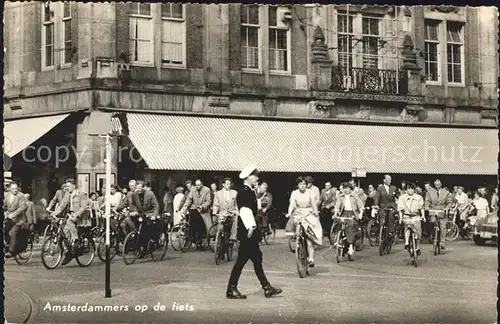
(411, 213)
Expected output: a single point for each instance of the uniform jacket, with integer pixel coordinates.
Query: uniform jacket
(15, 210)
(438, 200)
(197, 199)
(223, 205)
(80, 206)
(246, 198)
(58, 197)
(266, 201)
(150, 205)
(30, 212)
(385, 199)
(328, 198)
(356, 204)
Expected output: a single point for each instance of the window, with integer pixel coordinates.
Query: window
(48, 35)
(432, 50)
(454, 46)
(250, 37)
(141, 33)
(344, 39)
(371, 36)
(279, 42)
(173, 40)
(66, 21)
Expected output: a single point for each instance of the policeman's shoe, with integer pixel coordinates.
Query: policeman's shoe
(311, 263)
(233, 293)
(67, 258)
(270, 291)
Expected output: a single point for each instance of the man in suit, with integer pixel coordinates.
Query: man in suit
(328, 199)
(75, 206)
(127, 203)
(385, 200)
(249, 237)
(145, 201)
(14, 205)
(30, 212)
(225, 205)
(58, 197)
(439, 198)
(199, 203)
(265, 204)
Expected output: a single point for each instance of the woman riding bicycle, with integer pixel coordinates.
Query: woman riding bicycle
(303, 204)
(349, 206)
(411, 213)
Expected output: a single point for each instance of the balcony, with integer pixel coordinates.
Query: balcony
(369, 81)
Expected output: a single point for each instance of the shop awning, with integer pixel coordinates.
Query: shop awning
(20, 133)
(207, 143)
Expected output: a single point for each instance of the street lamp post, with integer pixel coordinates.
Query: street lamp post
(107, 215)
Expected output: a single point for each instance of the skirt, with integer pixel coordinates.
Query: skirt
(313, 224)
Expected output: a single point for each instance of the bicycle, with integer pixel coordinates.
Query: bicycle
(134, 242)
(342, 248)
(59, 240)
(373, 230)
(452, 229)
(436, 241)
(385, 242)
(222, 244)
(116, 236)
(28, 238)
(291, 238)
(267, 235)
(413, 246)
(301, 252)
(181, 237)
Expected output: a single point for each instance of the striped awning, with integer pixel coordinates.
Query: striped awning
(208, 143)
(20, 133)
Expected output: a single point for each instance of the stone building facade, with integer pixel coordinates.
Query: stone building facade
(427, 65)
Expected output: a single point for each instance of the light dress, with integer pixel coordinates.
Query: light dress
(303, 206)
(481, 205)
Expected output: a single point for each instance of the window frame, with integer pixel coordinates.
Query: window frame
(184, 39)
(378, 37)
(259, 39)
(461, 31)
(288, 30)
(438, 43)
(351, 36)
(44, 24)
(63, 41)
(151, 18)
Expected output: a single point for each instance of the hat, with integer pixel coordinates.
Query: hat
(247, 171)
(460, 187)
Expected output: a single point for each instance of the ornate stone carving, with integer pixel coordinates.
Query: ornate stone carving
(445, 9)
(364, 112)
(489, 114)
(320, 108)
(409, 55)
(411, 113)
(407, 11)
(222, 102)
(319, 48)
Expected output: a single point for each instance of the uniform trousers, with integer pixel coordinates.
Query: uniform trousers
(248, 250)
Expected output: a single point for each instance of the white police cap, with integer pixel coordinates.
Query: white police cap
(247, 171)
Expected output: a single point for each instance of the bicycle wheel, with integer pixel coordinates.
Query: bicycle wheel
(175, 238)
(229, 249)
(131, 248)
(185, 241)
(160, 247)
(291, 243)
(435, 241)
(52, 252)
(334, 230)
(101, 247)
(49, 229)
(85, 252)
(301, 256)
(25, 256)
(382, 244)
(452, 231)
(413, 249)
(219, 248)
(340, 247)
(373, 230)
(212, 232)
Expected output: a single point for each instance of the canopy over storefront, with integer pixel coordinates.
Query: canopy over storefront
(20, 133)
(168, 142)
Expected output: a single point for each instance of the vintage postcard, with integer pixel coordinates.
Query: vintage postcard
(169, 162)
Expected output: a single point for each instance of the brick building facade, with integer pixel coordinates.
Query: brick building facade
(433, 66)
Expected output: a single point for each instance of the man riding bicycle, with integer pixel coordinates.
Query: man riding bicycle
(74, 206)
(199, 201)
(14, 206)
(411, 212)
(385, 201)
(349, 205)
(225, 205)
(439, 199)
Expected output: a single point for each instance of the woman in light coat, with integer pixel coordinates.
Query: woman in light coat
(177, 204)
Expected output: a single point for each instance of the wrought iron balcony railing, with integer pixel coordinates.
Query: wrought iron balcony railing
(373, 81)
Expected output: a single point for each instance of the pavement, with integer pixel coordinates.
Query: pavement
(458, 286)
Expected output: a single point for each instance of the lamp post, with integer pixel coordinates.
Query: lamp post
(107, 215)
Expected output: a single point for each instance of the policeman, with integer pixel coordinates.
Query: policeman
(249, 237)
